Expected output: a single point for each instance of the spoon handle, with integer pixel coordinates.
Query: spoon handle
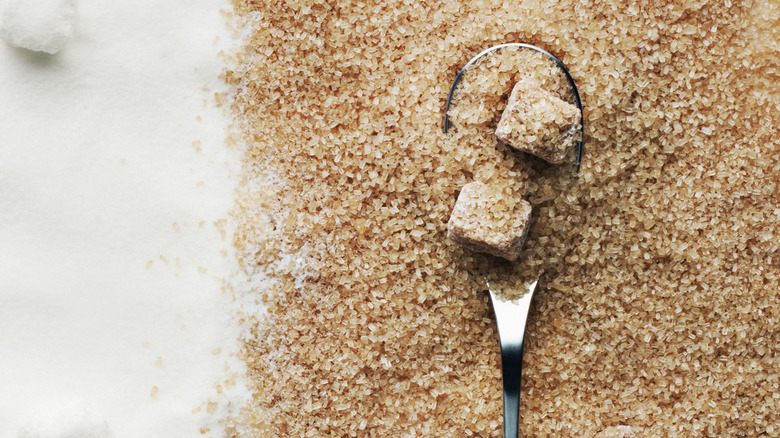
(511, 317)
(511, 366)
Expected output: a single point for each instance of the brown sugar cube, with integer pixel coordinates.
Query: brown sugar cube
(484, 220)
(536, 121)
(618, 432)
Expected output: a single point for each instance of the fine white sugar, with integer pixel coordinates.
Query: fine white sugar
(71, 419)
(114, 184)
(38, 25)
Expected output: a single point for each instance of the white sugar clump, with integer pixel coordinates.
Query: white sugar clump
(71, 420)
(38, 25)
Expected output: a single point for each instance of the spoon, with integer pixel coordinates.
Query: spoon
(530, 47)
(512, 314)
(511, 317)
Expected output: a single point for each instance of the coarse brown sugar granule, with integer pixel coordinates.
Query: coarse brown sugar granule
(618, 432)
(658, 307)
(538, 122)
(485, 220)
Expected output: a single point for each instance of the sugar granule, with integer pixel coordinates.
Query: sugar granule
(618, 432)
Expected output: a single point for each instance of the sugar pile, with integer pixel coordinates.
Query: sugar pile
(38, 25)
(72, 419)
(114, 188)
(657, 309)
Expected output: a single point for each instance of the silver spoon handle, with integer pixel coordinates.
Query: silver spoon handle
(511, 317)
(511, 364)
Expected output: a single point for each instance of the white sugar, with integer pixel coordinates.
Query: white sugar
(71, 419)
(38, 25)
(112, 260)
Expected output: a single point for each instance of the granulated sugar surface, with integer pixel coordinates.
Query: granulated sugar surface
(658, 305)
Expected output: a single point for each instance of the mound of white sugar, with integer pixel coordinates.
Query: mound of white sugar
(115, 186)
(38, 25)
(71, 420)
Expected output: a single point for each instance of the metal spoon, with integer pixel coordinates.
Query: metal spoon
(511, 317)
(524, 46)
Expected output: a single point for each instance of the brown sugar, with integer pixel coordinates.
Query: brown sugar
(658, 303)
(538, 122)
(485, 221)
(618, 432)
